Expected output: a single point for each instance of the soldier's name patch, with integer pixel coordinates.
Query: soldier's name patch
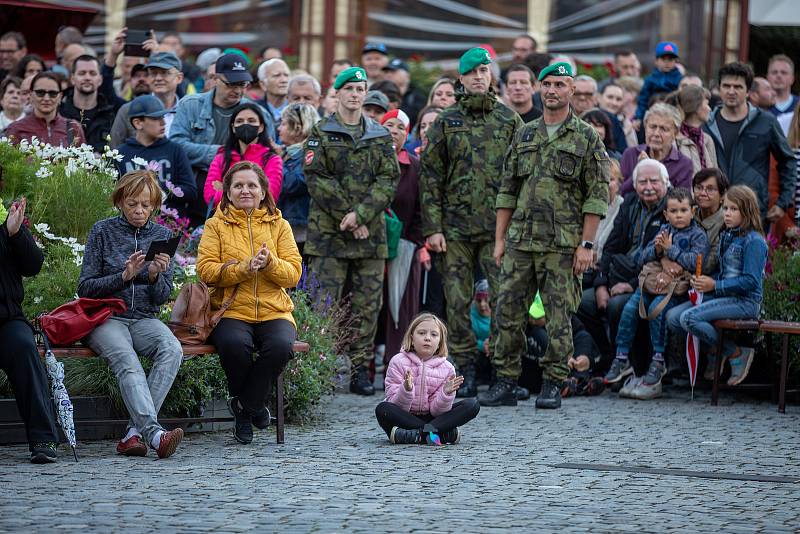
(527, 137)
(334, 138)
(313, 142)
(455, 123)
(309, 157)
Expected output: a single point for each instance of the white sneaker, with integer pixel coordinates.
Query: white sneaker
(629, 385)
(644, 391)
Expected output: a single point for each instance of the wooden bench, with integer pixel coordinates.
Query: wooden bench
(768, 327)
(188, 352)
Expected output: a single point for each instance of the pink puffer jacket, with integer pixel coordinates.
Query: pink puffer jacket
(256, 153)
(427, 395)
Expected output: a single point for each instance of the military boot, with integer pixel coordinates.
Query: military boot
(360, 383)
(469, 388)
(550, 396)
(502, 393)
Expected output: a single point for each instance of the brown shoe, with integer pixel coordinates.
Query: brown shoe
(169, 442)
(132, 446)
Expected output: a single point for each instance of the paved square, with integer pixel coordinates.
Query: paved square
(341, 474)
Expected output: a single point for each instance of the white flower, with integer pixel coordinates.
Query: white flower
(71, 167)
(43, 172)
(139, 161)
(37, 300)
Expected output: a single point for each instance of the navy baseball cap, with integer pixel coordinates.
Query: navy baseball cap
(146, 106)
(375, 47)
(234, 68)
(667, 48)
(397, 64)
(164, 60)
(137, 68)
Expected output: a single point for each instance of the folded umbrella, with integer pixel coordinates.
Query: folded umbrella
(397, 279)
(55, 371)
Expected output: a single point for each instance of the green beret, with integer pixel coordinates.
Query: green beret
(352, 74)
(472, 58)
(556, 69)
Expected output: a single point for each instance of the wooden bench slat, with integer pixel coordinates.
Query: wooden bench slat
(737, 324)
(780, 327)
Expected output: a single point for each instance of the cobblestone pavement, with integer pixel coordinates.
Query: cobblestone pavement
(341, 474)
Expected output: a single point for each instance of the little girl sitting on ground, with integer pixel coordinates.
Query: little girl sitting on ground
(420, 388)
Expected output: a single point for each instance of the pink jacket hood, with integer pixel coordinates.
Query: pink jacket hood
(256, 153)
(427, 395)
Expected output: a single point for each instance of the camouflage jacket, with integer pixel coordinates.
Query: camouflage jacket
(345, 175)
(463, 165)
(551, 183)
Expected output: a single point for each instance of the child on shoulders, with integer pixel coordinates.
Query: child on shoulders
(421, 386)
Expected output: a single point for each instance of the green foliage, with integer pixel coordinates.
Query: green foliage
(424, 77)
(19, 171)
(782, 299)
(55, 284)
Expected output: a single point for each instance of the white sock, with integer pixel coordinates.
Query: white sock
(156, 441)
(132, 432)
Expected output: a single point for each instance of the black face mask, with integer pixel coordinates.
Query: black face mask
(246, 132)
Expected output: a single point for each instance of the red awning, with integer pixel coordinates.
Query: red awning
(39, 22)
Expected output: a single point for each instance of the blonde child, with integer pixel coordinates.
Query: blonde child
(421, 386)
(736, 290)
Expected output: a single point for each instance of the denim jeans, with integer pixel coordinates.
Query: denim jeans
(118, 341)
(626, 331)
(698, 319)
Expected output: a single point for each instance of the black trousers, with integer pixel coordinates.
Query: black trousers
(390, 415)
(250, 378)
(20, 360)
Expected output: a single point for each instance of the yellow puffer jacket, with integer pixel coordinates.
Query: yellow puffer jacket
(234, 235)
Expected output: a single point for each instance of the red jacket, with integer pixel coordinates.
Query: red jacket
(54, 133)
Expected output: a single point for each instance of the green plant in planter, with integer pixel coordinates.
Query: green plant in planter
(55, 284)
(782, 298)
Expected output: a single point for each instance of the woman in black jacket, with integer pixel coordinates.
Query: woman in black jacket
(19, 358)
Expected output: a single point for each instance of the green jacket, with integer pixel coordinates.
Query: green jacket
(345, 175)
(551, 184)
(463, 165)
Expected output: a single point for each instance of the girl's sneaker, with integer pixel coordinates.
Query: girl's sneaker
(619, 369)
(451, 437)
(740, 366)
(406, 437)
(708, 374)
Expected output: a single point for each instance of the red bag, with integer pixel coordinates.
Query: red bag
(71, 321)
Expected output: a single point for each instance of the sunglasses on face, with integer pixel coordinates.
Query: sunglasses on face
(239, 85)
(41, 93)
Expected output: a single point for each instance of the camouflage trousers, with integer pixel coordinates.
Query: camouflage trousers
(522, 274)
(365, 277)
(458, 267)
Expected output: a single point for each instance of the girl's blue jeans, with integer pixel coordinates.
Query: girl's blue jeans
(630, 318)
(698, 319)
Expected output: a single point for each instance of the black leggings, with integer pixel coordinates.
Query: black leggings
(390, 415)
(20, 360)
(250, 379)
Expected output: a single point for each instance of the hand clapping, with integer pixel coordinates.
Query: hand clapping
(408, 383)
(452, 384)
(16, 214)
(261, 259)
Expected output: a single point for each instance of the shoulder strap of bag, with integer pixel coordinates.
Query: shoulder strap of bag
(661, 305)
(227, 302)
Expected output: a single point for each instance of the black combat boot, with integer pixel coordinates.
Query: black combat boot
(502, 393)
(405, 437)
(550, 396)
(360, 383)
(522, 393)
(469, 388)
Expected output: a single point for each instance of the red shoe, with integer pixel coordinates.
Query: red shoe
(133, 446)
(169, 442)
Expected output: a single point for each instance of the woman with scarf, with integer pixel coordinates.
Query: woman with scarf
(691, 140)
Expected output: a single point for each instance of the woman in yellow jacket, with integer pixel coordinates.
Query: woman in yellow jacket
(249, 257)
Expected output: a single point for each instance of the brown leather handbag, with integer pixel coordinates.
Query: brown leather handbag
(654, 280)
(192, 318)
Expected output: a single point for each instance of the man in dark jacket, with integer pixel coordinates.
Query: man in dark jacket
(19, 359)
(616, 276)
(746, 137)
(150, 145)
(85, 104)
(413, 100)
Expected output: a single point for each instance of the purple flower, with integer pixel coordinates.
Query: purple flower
(172, 188)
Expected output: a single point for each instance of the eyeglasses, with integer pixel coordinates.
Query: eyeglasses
(708, 190)
(41, 93)
(240, 85)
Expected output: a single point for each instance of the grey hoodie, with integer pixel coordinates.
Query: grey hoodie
(110, 244)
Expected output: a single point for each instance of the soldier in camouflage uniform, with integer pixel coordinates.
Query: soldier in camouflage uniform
(554, 193)
(460, 176)
(352, 174)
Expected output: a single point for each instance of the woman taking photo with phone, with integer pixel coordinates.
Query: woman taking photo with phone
(114, 266)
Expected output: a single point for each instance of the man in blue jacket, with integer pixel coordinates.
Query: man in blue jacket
(746, 137)
(150, 147)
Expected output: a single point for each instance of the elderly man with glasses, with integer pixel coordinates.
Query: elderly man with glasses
(201, 123)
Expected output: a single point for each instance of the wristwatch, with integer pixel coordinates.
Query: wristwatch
(588, 245)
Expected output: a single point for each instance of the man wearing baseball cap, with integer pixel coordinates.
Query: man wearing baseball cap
(412, 100)
(201, 124)
(664, 79)
(164, 76)
(374, 56)
(460, 174)
(352, 174)
(375, 105)
(554, 192)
